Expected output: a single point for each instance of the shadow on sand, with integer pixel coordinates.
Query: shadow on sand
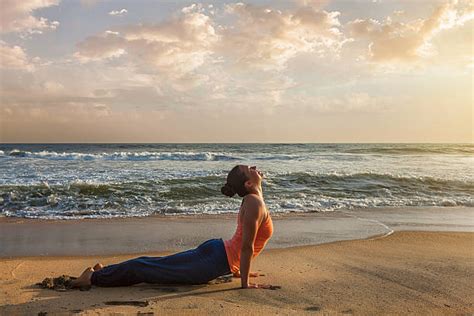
(47, 301)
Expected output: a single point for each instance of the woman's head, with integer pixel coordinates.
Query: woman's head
(241, 180)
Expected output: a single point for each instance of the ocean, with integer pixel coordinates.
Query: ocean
(71, 181)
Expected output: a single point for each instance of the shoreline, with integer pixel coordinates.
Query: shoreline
(13, 219)
(408, 272)
(140, 235)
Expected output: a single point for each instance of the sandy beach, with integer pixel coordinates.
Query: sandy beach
(399, 271)
(405, 273)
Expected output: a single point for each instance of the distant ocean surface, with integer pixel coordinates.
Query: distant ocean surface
(66, 181)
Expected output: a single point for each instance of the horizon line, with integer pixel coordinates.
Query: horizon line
(99, 143)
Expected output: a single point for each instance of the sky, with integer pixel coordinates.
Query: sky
(220, 71)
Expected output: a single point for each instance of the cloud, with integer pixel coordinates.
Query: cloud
(268, 39)
(191, 60)
(52, 87)
(175, 47)
(105, 46)
(118, 12)
(17, 16)
(391, 40)
(347, 102)
(312, 3)
(79, 87)
(256, 37)
(14, 57)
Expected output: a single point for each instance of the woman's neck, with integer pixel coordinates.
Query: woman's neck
(256, 190)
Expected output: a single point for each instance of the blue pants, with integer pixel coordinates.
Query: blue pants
(195, 266)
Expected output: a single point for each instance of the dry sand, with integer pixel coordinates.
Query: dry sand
(415, 273)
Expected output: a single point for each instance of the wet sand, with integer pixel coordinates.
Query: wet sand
(31, 237)
(414, 273)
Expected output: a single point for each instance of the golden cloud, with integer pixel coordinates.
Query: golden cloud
(17, 16)
(409, 41)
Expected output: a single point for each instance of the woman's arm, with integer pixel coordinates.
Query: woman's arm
(251, 274)
(252, 211)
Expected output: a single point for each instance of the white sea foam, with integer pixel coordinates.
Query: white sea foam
(147, 155)
(144, 155)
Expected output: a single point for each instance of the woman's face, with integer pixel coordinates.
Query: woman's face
(253, 174)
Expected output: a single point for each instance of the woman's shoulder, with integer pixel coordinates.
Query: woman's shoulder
(253, 204)
(253, 201)
(253, 198)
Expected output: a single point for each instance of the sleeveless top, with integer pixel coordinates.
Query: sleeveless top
(233, 246)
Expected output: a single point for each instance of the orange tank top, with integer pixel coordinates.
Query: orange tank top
(234, 245)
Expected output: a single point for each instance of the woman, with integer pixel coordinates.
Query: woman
(212, 258)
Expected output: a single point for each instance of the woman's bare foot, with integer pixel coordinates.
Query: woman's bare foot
(84, 280)
(98, 266)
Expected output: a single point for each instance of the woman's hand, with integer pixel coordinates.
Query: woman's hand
(251, 274)
(262, 286)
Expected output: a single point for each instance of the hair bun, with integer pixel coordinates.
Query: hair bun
(227, 190)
